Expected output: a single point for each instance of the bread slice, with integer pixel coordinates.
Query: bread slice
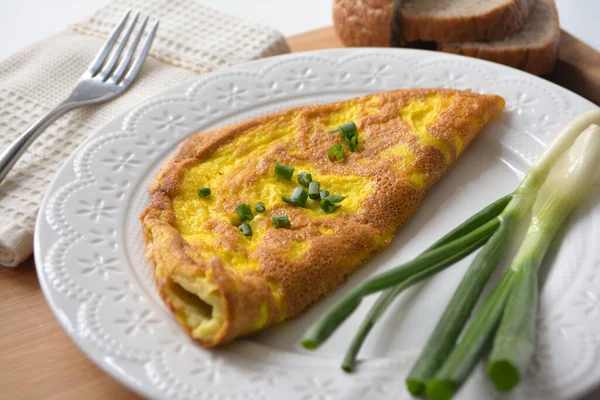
(534, 49)
(367, 22)
(446, 21)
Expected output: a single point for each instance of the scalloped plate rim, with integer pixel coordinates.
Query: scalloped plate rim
(40, 249)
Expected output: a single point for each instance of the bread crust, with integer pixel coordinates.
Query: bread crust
(363, 23)
(367, 23)
(536, 60)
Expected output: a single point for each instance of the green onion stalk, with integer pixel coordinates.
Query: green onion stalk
(493, 229)
(489, 213)
(513, 302)
(461, 305)
(481, 227)
(444, 336)
(566, 186)
(443, 339)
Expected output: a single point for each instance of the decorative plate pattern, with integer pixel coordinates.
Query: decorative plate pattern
(90, 255)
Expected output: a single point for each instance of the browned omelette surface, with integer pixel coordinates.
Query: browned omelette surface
(221, 284)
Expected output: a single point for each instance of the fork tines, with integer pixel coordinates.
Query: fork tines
(110, 64)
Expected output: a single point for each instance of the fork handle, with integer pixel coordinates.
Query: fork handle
(15, 150)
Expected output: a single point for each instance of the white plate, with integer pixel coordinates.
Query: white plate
(89, 250)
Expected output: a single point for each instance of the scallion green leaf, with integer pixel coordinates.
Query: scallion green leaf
(244, 212)
(328, 206)
(336, 152)
(385, 299)
(298, 197)
(323, 194)
(284, 171)
(337, 314)
(203, 192)
(281, 221)
(349, 133)
(304, 178)
(313, 190)
(335, 198)
(246, 229)
(260, 207)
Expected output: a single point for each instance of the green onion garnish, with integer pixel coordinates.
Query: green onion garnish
(336, 152)
(246, 229)
(327, 204)
(260, 207)
(349, 133)
(203, 192)
(335, 198)
(281, 221)
(323, 194)
(298, 197)
(304, 178)
(284, 171)
(313, 190)
(244, 212)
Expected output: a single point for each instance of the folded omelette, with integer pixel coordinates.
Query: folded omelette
(221, 284)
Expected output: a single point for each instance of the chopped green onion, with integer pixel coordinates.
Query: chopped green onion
(246, 229)
(244, 212)
(304, 178)
(336, 152)
(323, 194)
(298, 197)
(327, 203)
(284, 171)
(260, 207)
(349, 133)
(313, 190)
(328, 206)
(335, 198)
(203, 192)
(281, 221)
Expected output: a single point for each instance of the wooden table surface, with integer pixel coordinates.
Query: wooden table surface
(37, 358)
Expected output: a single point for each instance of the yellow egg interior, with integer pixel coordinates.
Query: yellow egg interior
(233, 160)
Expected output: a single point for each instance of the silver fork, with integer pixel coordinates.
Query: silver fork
(103, 80)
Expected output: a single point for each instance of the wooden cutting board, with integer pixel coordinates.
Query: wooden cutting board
(37, 358)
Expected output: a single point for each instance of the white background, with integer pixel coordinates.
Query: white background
(25, 21)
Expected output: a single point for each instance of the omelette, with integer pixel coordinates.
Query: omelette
(236, 243)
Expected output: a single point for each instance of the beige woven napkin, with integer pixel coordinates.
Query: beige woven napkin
(192, 39)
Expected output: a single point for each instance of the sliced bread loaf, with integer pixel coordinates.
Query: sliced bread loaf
(363, 23)
(463, 20)
(534, 49)
(367, 22)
